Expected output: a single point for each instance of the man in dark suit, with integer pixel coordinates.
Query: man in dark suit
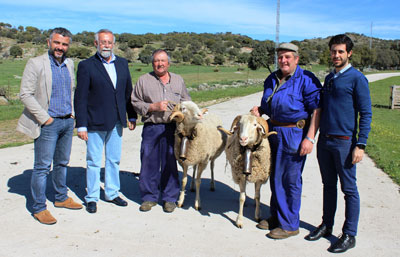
(102, 99)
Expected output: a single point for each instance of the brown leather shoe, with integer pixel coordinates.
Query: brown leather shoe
(45, 217)
(279, 233)
(270, 223)
(69, 204)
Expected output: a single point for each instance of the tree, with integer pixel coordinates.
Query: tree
(197, 59)
(79, 52)
(262, 55)
(16, 51)
(219, 59)
(363, 56)
(145, 54)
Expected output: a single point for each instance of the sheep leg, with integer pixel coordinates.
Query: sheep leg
(242, 199)
(257, 187)
(212, 184)
(200, 169)
(193, 179)
(184, 181)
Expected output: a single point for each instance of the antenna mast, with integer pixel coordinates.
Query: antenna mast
(278, 4)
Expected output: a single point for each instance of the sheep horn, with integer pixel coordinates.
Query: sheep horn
(234, 122)
(224, 130)
(264, 125)
(177, 116)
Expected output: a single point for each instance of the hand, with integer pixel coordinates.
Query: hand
(83, 135)
(159, 106)
(255, 111)
(49, 121)
(131, 125)
(306, 147)
(357, 155)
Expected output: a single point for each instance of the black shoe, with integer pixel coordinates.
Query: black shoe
(344, 243)
(321, 231)
(91, 207)
(118, 201)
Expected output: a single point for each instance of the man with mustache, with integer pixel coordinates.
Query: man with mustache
(152, 99)
(102, 101)
(46, 92)
(345, 124)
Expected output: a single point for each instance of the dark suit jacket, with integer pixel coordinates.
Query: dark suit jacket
(98, 106)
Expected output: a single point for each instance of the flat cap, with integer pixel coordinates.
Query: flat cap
(288, 47)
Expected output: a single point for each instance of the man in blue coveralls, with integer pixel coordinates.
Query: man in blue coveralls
(345, 99)
(291, 100)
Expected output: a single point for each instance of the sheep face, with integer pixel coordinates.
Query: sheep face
(188, 113)
(249, 130)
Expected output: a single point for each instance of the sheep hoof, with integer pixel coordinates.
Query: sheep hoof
(180, 205)
(192, 190)
(239, 225)
(198, 208)
(212, 189)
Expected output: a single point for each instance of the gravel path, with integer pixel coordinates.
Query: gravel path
(125, 231)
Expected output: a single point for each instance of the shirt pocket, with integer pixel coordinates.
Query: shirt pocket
(173, 96)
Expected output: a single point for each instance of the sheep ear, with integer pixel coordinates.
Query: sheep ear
(234, 122)
(204, 111)
(264, 126)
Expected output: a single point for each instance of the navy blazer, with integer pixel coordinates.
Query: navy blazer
(98, 105)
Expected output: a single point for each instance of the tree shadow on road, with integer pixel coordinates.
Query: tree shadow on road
(76, 182)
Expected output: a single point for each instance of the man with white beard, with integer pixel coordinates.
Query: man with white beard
(102, 100)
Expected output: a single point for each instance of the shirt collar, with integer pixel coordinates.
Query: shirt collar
(104, 60)
(342, 70)
(55, 61)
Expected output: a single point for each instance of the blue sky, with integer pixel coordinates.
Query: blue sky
(300, 19)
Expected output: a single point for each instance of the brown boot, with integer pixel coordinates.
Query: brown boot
(45, 217)
(69, 204)
(270, 223)
(279, 233)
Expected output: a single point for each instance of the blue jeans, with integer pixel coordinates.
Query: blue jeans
(53, 145)
(112, 142)
(158, 171)
(334, 158)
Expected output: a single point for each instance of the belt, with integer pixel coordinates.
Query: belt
(64, 117)
(299, 124)
(338, 137)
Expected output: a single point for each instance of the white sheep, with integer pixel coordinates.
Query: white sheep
(248, 135)
(205, 142)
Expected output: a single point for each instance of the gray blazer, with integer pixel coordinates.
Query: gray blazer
(35, 94)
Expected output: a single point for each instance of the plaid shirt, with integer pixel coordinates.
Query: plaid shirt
(60, 101)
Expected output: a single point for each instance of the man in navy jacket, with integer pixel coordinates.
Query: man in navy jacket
(102, 100)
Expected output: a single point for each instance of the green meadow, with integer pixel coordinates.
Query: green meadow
(383, 144)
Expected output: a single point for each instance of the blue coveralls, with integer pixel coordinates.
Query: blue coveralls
(295, 100)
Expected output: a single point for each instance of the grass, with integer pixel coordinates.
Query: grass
(383, 143)
(385, 122)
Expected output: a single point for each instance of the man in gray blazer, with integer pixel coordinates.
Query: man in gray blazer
(46, 91)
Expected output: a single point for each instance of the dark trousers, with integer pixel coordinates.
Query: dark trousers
(334, 158)
(158, 172)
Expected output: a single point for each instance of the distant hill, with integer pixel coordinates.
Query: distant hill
(200, 49)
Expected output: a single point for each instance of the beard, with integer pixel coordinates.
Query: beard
(105, 52)
(55, 52)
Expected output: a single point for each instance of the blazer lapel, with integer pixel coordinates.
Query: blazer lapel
(99, 65)
(48, 75)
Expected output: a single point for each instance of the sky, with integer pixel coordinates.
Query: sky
(299, 19)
